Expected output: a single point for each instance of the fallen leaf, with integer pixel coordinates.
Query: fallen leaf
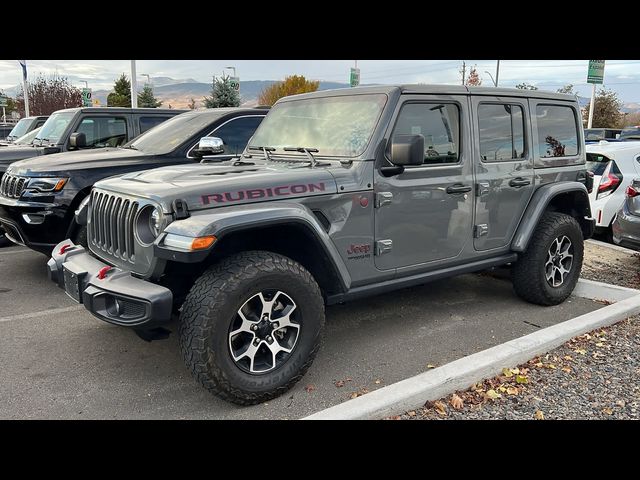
(354, 395)
(507, 372)
(515, 371)
(581, 351)
(395, 417)
(587, 336)
(568, 357)
(492, 394)
(377, 382)
(539, 415)
(524, 371)
(599, 344)
(412, 413)
(441, 408)
(521, 379)
(339, 383)
(456, 402)
(512, 391)
(607, 410)
(621, 403)
(566, 369)
(429, 365)
(551, 366)
(502, 389)
(310, 388)
(539, 365)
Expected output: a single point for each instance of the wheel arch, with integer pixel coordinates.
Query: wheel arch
(570, 198)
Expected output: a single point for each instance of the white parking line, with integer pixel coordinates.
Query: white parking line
(42, 313)
(22, 250)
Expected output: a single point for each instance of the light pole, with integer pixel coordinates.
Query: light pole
(494, 82)
(134, 86)
(497, 72)
(148, 77)
(232, 68)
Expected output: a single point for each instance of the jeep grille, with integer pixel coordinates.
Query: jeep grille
(111, 225)
(12, 186)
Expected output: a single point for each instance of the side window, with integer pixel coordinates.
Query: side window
(104, 131)
(557, 131)
(438, 123)
(149, 122)
(39, 123)
(501, 129)
(236, 133)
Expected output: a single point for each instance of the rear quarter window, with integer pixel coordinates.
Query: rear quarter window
(557, 131)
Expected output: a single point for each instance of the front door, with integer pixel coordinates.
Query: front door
(425, 213)
(504, 168)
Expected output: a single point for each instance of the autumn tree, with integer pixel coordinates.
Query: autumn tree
(606, 113)
(146, 99)
(292, 85)
(222, 94)
(121, 95)
(568, 89)
(473, 79)
(192, 104)
(526, 86)
(48, 94)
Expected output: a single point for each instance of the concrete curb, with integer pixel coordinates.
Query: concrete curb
(460, 374)
(612, 246)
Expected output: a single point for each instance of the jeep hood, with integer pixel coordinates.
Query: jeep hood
(78, 160)
(205, 186)
(13, 153)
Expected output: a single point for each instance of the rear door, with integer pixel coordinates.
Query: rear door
(503, 167)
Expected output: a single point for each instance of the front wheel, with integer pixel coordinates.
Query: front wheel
(251, 326)
(548, 271)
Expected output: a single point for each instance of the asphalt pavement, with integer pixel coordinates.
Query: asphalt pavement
(58, 362)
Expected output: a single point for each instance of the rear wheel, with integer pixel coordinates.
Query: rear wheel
(251, 325)
(548, 271)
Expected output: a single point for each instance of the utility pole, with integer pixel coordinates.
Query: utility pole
(592, 106)
(497, 72)
(464, 71)
(134, 86)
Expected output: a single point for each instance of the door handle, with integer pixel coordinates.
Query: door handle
(458, 188)
(519, 182)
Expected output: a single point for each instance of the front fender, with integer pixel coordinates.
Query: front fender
(225, 220)
(539, 203)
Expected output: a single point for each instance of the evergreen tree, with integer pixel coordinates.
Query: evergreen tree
(121, 95)
(222, 94)
(146, 99)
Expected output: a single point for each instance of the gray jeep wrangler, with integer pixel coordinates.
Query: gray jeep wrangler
(339, 194)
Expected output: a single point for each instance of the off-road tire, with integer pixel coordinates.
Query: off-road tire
(211, 306)
(528, 273)
(80, 238)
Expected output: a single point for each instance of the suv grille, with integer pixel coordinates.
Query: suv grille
(12, 186)
(111, 225)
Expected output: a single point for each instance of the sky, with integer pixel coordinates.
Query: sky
(623, 76)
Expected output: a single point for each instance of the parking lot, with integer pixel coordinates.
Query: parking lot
(60, 362)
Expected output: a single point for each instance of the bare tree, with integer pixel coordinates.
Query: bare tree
(48, 94)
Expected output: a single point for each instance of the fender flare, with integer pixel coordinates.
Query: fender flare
(538, 204)
(225, 220)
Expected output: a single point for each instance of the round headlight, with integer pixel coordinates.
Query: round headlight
(155, 222)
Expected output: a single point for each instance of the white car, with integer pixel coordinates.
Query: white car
(614, 165)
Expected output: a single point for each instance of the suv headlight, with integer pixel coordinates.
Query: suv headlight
(46, 185)
(149, 224)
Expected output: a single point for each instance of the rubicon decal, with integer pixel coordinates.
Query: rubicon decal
(257, 193)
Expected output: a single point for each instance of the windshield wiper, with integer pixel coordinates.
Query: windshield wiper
(131, 147)
(264, 150)
(307, 151)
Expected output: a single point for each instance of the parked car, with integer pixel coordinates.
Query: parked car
(630, 133)
(25, 125)
(83, 129)
(626, 224)
(5, 129)
(26, 139)
(597, 134)
(339, 195)
(613, 165)
(39, 196)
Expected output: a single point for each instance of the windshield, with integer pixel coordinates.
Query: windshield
(171, 133)
(27, 138)
(596, 163)
(54, 127)
(337, 126)
(20, 129)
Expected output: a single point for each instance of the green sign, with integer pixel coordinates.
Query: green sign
(235, 83)
(596, 71)
(354, 79)
(3, 101)
(86, 97)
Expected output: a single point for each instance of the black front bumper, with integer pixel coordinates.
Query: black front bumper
(118, 298)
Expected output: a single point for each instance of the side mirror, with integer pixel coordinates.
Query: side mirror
(617, 136)
(78, 140)
(407, 150)
(209, 146)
